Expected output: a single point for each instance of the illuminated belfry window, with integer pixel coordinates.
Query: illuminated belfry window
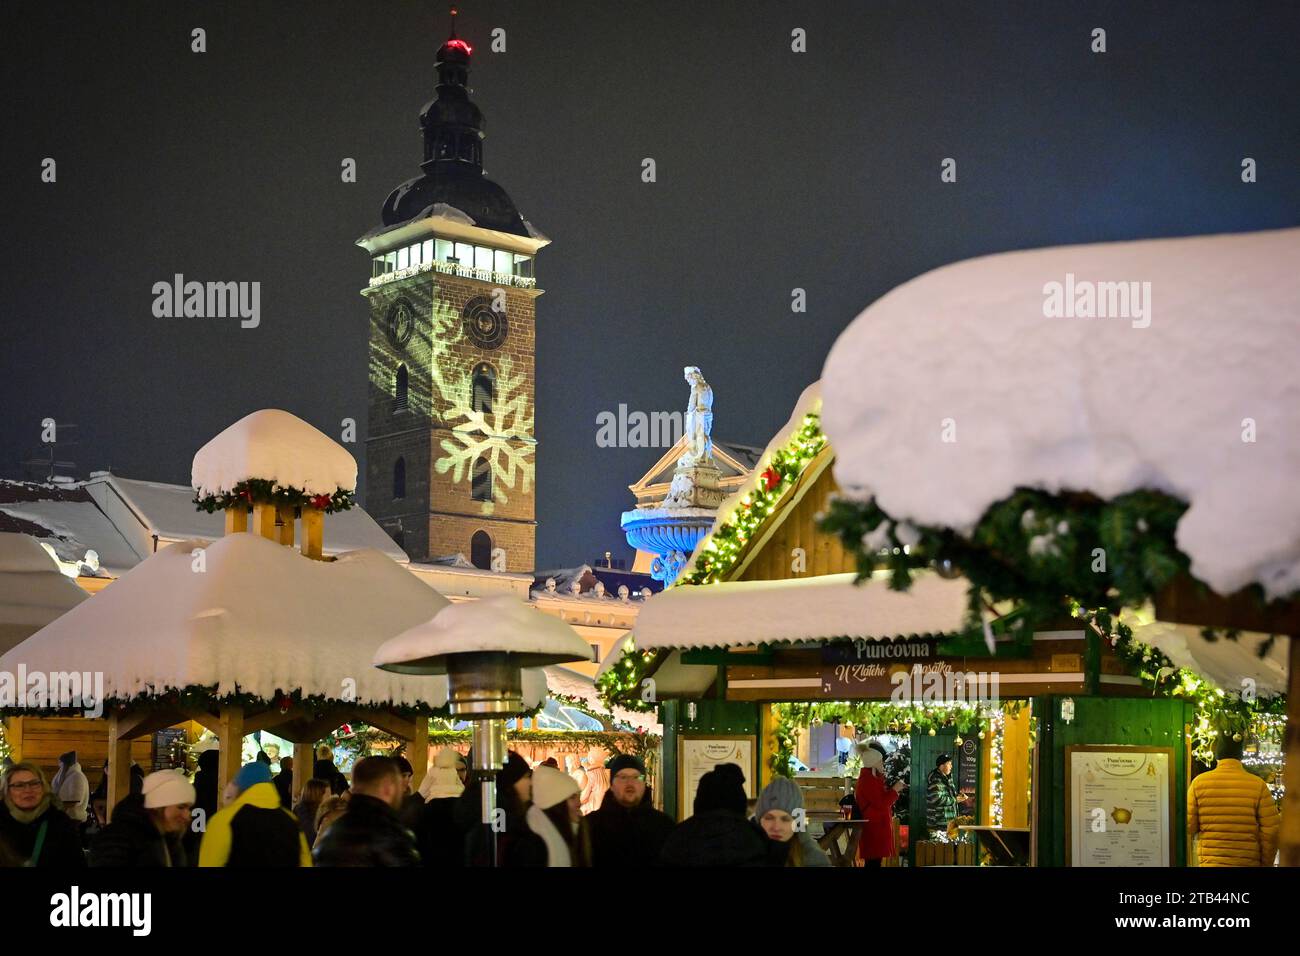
(496, 265)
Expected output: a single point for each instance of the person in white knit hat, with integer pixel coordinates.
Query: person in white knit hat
(147, 827)
(555, 815)
(442, 842)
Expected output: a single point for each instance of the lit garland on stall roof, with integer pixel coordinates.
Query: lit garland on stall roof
(1217, 711)
(721, 549)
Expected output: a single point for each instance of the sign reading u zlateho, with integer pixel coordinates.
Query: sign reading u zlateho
(862, 668)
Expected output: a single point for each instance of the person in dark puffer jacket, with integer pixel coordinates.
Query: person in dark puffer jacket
(148, 828)
(254, 830)
(370, 832)
(717, 834)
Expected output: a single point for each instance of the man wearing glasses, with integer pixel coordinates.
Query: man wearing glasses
(626, 830)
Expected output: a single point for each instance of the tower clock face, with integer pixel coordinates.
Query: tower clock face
(486, 327)
(401, 320)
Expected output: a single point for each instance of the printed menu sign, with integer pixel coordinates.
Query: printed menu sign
(698, 755)
(1119, 806)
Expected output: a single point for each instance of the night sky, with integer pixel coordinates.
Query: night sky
(776, 170)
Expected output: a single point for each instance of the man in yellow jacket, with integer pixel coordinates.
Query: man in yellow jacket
(254, 830)
(1232, 813)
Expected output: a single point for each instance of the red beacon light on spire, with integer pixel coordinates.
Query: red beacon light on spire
(460, 44)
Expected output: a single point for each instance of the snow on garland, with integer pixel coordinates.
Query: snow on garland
(260, 491)
(273, 457)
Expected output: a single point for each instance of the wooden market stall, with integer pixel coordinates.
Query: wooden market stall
(767, 632)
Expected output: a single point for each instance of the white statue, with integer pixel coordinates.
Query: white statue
(699, 420)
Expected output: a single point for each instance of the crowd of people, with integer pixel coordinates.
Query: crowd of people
(377, 819)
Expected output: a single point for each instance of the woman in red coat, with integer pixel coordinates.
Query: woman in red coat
(875, 803)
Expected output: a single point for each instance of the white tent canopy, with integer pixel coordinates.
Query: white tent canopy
(247, 614)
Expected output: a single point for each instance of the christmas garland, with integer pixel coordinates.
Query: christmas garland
(873, 717)
(1218, 711)
(615, 742)
(621, 684)
(720, 550)
(263, 491)
(201, 697)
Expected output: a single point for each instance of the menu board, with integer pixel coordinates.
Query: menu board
(696, 756)
(1118, 806)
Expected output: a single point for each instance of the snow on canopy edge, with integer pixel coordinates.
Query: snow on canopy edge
(1158, 392)
(163, 627)
(825, 607)
(274, 445)
(808, 403)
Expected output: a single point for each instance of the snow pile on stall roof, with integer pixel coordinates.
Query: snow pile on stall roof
(809, 403)
(1088, 404)
(561, 680)
(502, 623)
(1228, 663)
(745, 613)
(33, 591)
(274, 445)
(246, 614)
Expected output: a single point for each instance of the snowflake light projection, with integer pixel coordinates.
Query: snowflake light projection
(502, 435)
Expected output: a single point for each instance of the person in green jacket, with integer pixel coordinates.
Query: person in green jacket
(940, 795)
(254, 830)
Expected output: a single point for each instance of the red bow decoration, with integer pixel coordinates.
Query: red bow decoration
(246, 495)
(321, 501)
(770, 478)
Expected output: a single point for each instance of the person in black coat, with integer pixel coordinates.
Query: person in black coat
(324, 769)
(441, 840)
(148, 828)
(32, 827)
(516, 844)
(369, 833)
(626, 829)
(717, 833)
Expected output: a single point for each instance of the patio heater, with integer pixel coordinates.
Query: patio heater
(483, 647)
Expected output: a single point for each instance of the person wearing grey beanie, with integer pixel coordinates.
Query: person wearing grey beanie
(780, 814)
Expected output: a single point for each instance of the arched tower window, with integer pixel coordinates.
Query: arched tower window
(481, 483)
(480, 550)
(399, 478)
(400, 389)
(484, 389)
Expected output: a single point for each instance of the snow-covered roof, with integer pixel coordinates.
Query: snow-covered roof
(33, 591)
(561, 680)
(69, 520)
(253, 616)
(1228, 663)
(809, 403)
(503, 623)
(276, 446)
(169, 512)
(1194, 395)
(746, 613)
(586, 578)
